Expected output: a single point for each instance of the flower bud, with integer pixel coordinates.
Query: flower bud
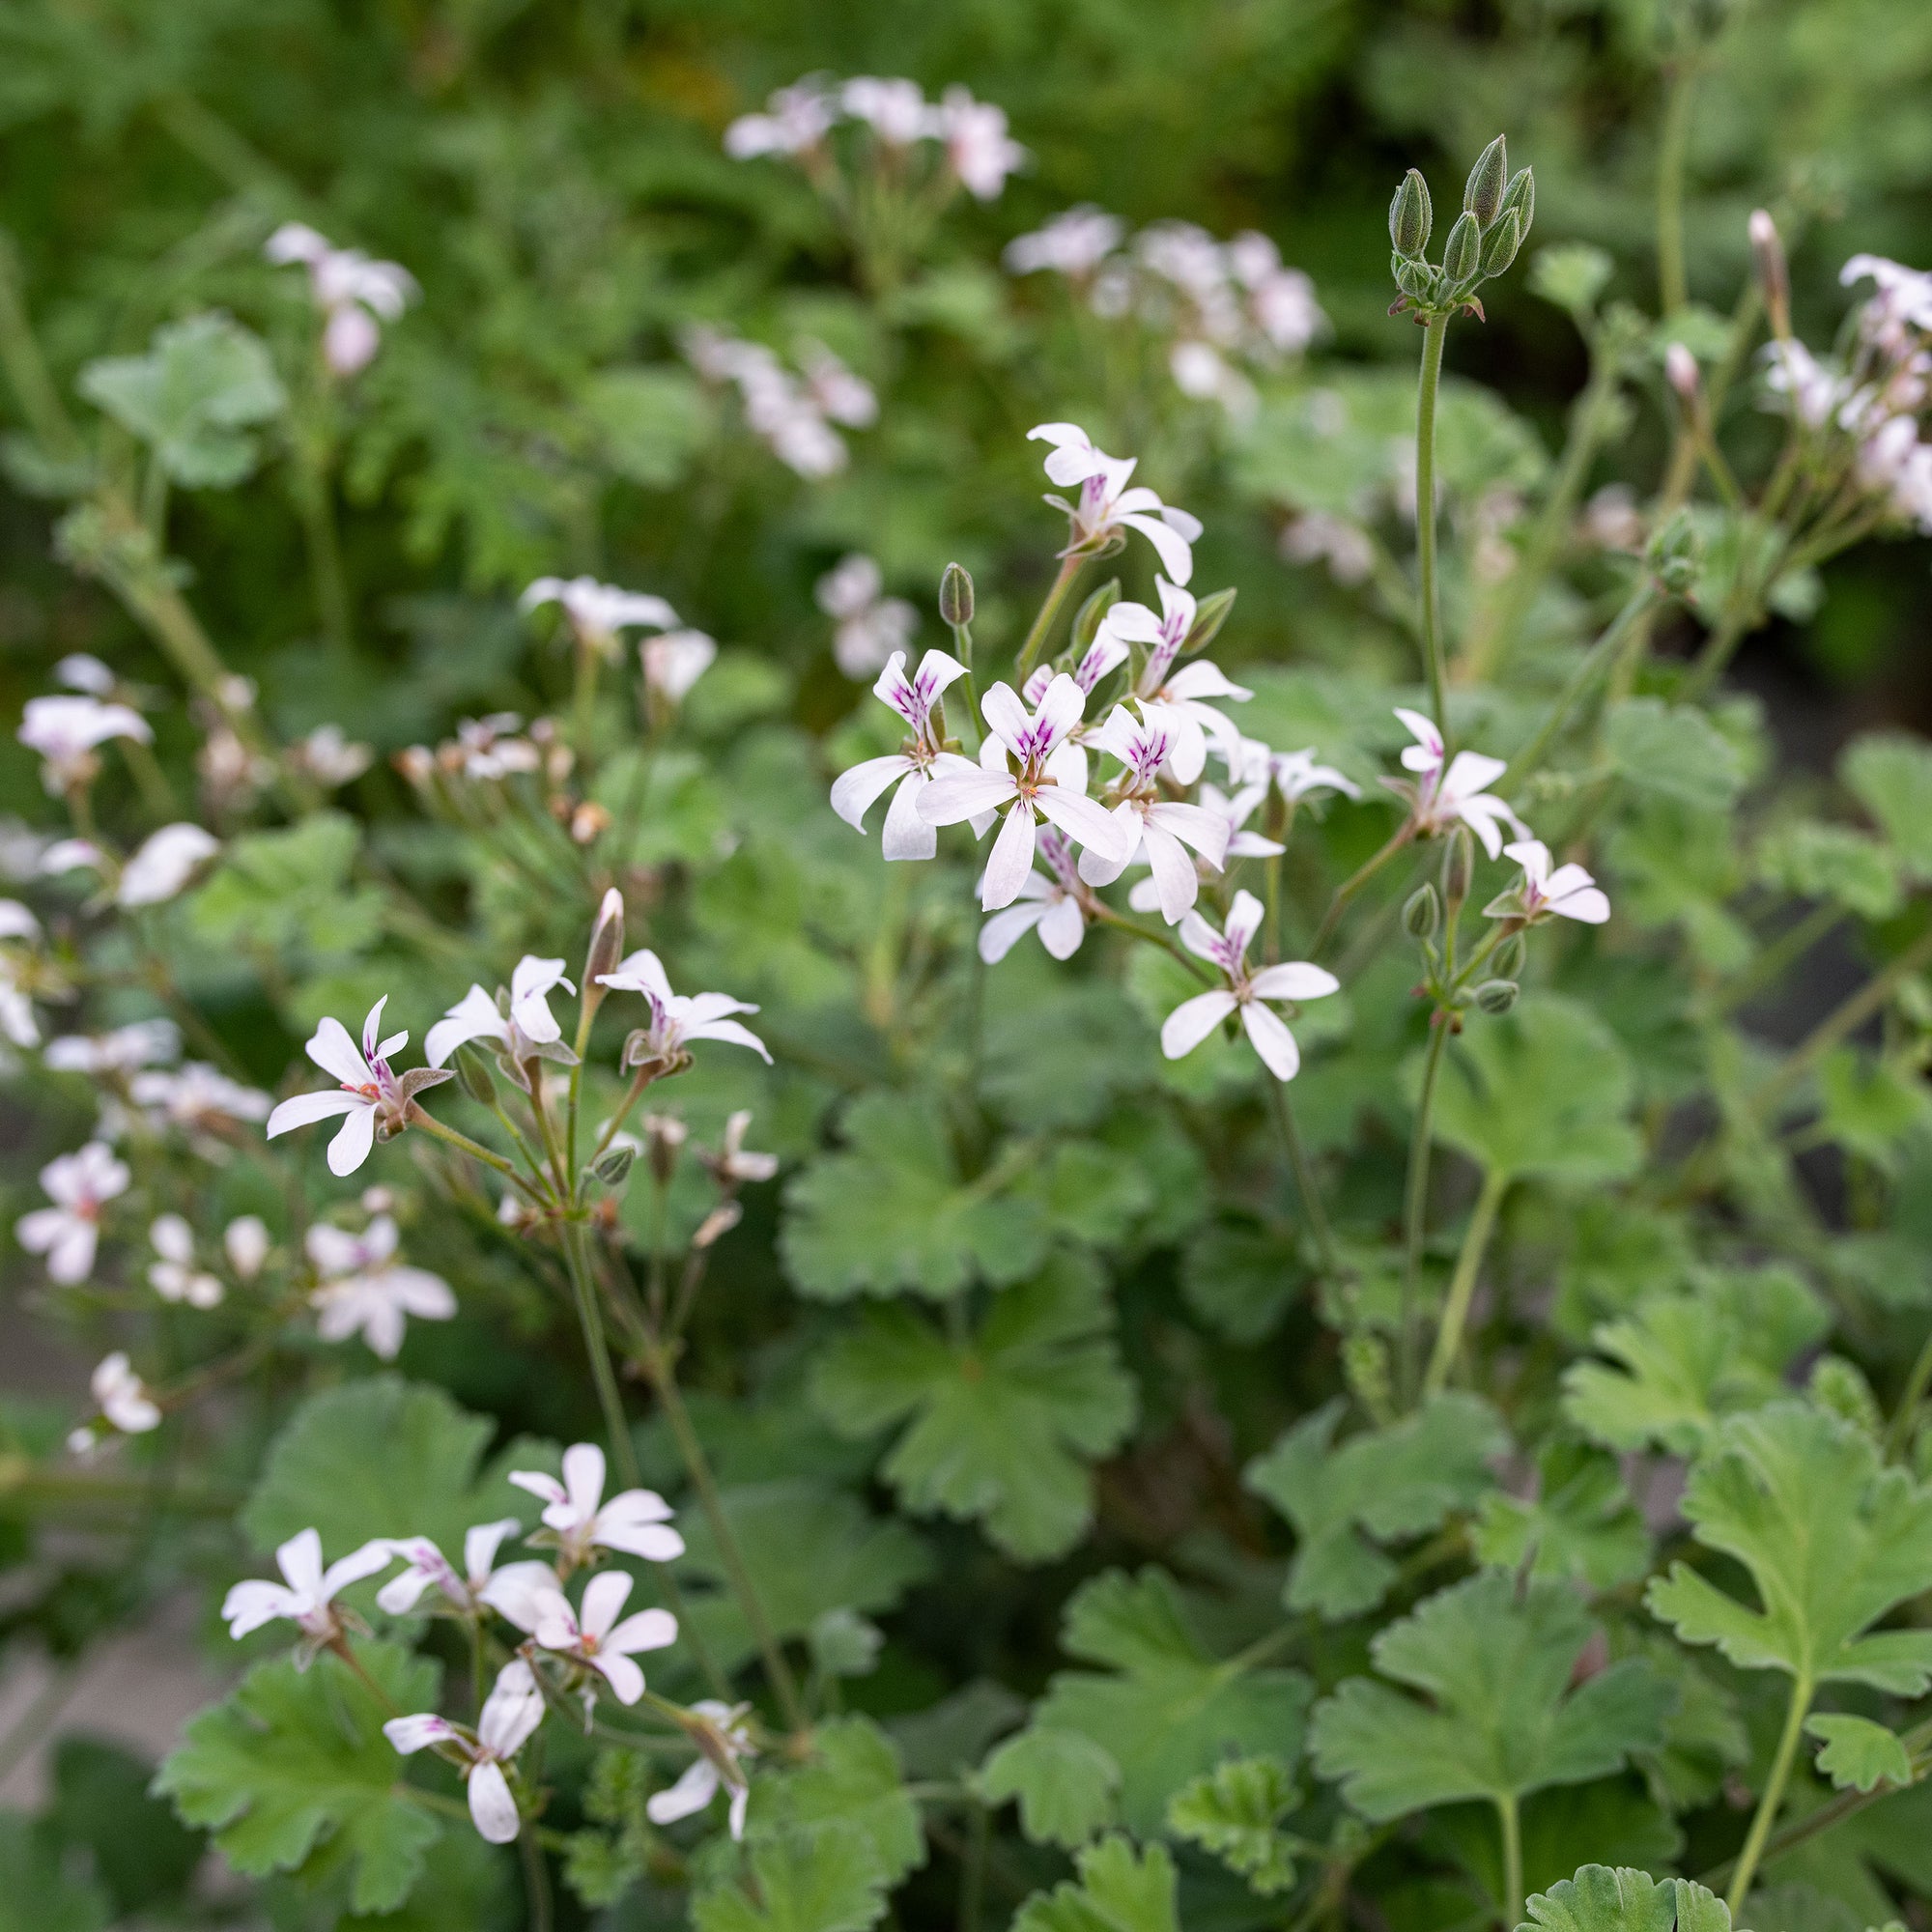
(613, 1165)
(1497, 997)
(1422, 913)
(607, 944)
(1501, 244)
(1674, 554)
(473, 1076)
(1087, 619)
(1680, 368)
(1410, 218)
(1482, 193)
(1417, 279)
(1459, 865)
(956, 596)
(1773, 277)
(1209, 615)
(1508, 957)
(1462, 252)
(664, 1136)
(1520, 200)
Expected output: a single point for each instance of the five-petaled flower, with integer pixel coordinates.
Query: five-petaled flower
(1158, 828)
(307, 1594)
(1568, 891)
(79, 1185)
(176, 1276)
(1028, 770)
(510, 1715)
(677, 1019)
(915, 765)
(521, 1025)
(356, 295)
(121, 1399)
(675, 662)
(67, 732)
(1106, 506)
(1193, 1020)
(362, 1290)
(1441, 798)
(1054, 903)
(724, 1743)
(599, 614)
(482, 1579)
(594, 1637)
(373, 1096)
(1177, 698)
(580, 1521)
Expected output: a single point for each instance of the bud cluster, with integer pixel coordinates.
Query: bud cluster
(1497, 209)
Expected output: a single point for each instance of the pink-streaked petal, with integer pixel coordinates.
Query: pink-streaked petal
(1270, 1037)
(1201, 939)
(1193, 1020)
(1533, 856)
(1245, 920)
(1060, 710)
(1006, 715)
(516, 1591)
(1131, 623)
(409, 1735)
(1469, 773)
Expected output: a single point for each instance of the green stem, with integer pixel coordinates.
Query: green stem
(962, 645)
(973, 1868)
(1779, 958)
(1434, 333)
(1773, 1798)
(536, 1879)
(1463, 1283)
(597, 1346)
(1415, 1208)
(1036, 639)
(1304, 1171)
(1672, 286)
(1901, 1431)
(1512, 1823)
(475, 1149)
(1595, 660)
(583, 701)
(325, 553)
(1356, 880)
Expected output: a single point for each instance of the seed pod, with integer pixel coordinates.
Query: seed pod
(613, 1165)
(1483, 194)
(1410, 217)
(1422, 912)
(1774, 279)
(1501, 244)
(956, 596)
(1462, 252)
(1209, 615)
(1497, 997)
(1520, 199)
(1087, 619)
(473, 1076)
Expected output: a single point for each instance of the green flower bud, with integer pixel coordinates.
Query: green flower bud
(1497, 997)
(1508, 957)
(1417, 279)
(1462, 252)
(1410, 218)
(1209, 615)
(1501, 244)
(1483, 195)
(1520, 200)
(1674, 554)
(956, 596)
(1087, 619)
(613, 1164)
(1422, 912)
(473, 1076)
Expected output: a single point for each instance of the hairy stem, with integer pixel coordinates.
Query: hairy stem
(1594, 662)
(1304, 1171)
(1463, 1283)
(1415, 1210)
(475, 1149)
(597, 1346)
(1672, 287)
(1434, 333)
(1773, 1798)
(1043, 625)
(1512, 1829)
(1356, 880)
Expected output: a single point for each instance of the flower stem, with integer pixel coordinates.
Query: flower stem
(1636, 607)
(597, 1346)
(1036, 639)
(1672, 286)
(1463, 1283)
(1434, 333)
(1901, 1431)
(1304, 1171)
(1774, 1796)
(1512, 1823)
(419, 1116)
(1415, 1208)
(1356, 880)
(536, 1878)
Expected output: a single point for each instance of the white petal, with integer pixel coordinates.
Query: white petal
(854, 793)
(584, 1473)
(1207, 831)
(305, 1108)
(409, 1735)
(1193, 1020)
(1245, 920)
(1272, 1039)
(1062, 929)
(1294, 980)
(623, 1676)
(1173, 874)
(1005, 715)
(604, 1599)
(963, 795)
(693, 1792)
(907, 836)
(1002, 932)
(353, 1139)
(491, 1806)
(1587, 903)
(1088, 823)
(1172, 548)
(1011, 857)
(335, 1053)
(645, 1630)
(474, 1016)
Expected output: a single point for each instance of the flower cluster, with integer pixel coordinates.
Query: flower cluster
(356, 295)
(870, 626)
(791, 412)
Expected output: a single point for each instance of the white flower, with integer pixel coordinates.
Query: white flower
(1193, 1020)
(174, 1276)
(895, 110)
(198, 1097)
(1904, 297)
(1157, 828)
(678, 1019)
(731, 1164)
(510, 1716)
(1173, 697)
(1106, 506)
(797, 119)
(1028, 770)
(121, 1397)
(917, 763)
(978, 147)
(352, 291)
(80, 1185)
(1296, 776)
(722, 1744)
(870, 627)
(1233, 809)
(594, 1637)
(363, 1291)
(18, 1020)
(1050, 902)
(636, 1522)
(164, 865)
(329, 756)
(81, 672)
(1567, 892)
(1441, 798)
(1280, 302)
(140, 1044)
(64, 731)
(675, 662)
(1315, 536)
(1072, 244)
(598, 612)
(371, 1093)
(528, 1025)
(488, 747)
(246, 1243)
(307, 1593)
(481, 1573)
(834, 391)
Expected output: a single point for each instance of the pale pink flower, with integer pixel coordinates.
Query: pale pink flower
(354, 292)
(678, 1020)
(1107, 506)
(79, 1185)
(307, 1594)
(330, 757)
(519, 1025)
(675, 662)
(1568, 891)
(1177, 698)
(722, 1745)
(372, 1095)
(1245, 991)
(870, 626)
(246, 1243)
(598, 612)
(834, 391)
(895, 110)
(67, 732)
(1441, 799)
(79, 670)
(636, 1522)
(174, 1276)
(364, 1291)
(796, 120)
(197, 1097)
(1048, 902)
(1315, 536)
(593, 1635)
(979, 149)
(116, 1054)
(467, 1590)
(1072, 244)
(917, 763)
(166, 861)
(121, 1399)
(509, 1717)
(1157, 828)
(733, 1164)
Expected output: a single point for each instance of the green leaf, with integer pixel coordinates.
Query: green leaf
(292, 1763)
(1599, 1899)
(384, 1457)
(1397, 1482)
(823, 1883)
(1872, 1103)
(1502, 1720)
(1064, 1781)
(1833, 1541)
(1817, 860)
(1233, 1812)
(1581, 1524)
(38, 1893)
(1057, 1051)
(1001, 1423)
(1891, 775)
(1675, 750)
(287, 893)
(1541, 1093)
(1167, 1710)
(1685, 1361)
(1859, 1754)
(651, 422)
(1119, 1890)
(193, 398)
(850, 1790)
(141, 1851)
(1239, 1278)
(892, 1213)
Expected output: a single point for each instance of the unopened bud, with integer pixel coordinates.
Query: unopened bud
(1209, 615)
(1483, 194)
(1501, 244)
(1410, 218)
(665, 1135)
(1675, 554)
(1087, 619)
(1459, 867)
(1417, 279)
(1508, 957)
(1422, 913)
(1680, 369)
(1462, 252)
(473, 1076)
(606, 947)
(1497, 997)
(1773, 277)
(1520, 200)
(956, 596)
(613, 1165)
(722, 1219)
